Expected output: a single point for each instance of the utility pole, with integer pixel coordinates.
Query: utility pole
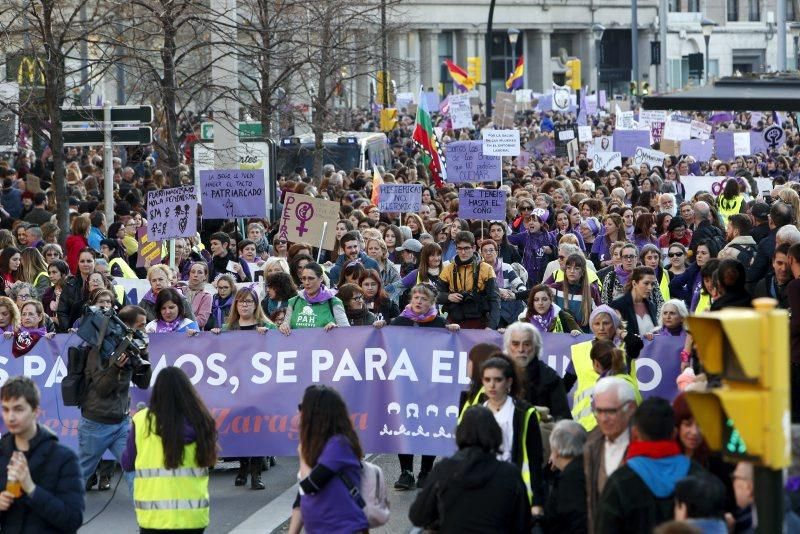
(781, 42)
(384, 56)
(635, 46)
(488, 62)
(662, 37)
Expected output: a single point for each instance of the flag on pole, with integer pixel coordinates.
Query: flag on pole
(582, 115)
(514, 80)
(377, 180)
(426, 140)
(461, 79)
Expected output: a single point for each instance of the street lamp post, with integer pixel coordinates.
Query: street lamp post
(513, 36)
(597, 32)
(707, 26)
(794, 28)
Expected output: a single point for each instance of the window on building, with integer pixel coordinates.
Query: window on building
(693, 6)
(445, 47)
(733, 10)
(754, 10)
(674, 5)
(790, 13)
(503, 58)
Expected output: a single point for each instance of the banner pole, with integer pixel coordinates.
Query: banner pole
(322, 240)
(172, 254)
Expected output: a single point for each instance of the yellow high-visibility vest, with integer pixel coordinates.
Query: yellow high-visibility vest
(727, 207)
(127, 272)
(474, 401)
(587, 378)
(167, 498)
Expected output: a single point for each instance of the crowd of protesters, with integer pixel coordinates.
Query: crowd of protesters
(621, 254)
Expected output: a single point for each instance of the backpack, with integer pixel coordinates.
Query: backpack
(747, 254)
(372, 496)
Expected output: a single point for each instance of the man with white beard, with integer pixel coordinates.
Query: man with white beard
(667, 204)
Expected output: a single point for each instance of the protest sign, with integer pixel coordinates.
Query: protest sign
(233, 193)
(648, 117)
(741, 144)
(402, 100)
(649, 156)
(627, 141)
(657, 132)
(149, 252)
(584, 134)
(604, 143)
(678, 128)
(625, 121)
(774, 136)
(573, 151)
(402, 394)
(543, 146)
(561, 98)
(700, 130)
(755, 117)
(460, 111)
(670, 147)
(758, 145)
(466, 162)
(482, 204)
(431, 99)
(400, 198)
(504, 108)
(521, 162)
(715, 185)
(606, 161)
(501, 143)
(564, 133)
(171, 213)
(699, 149)
(303, 220)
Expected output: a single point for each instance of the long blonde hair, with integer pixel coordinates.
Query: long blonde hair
(258, 313)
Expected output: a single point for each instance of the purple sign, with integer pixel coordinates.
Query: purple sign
(233, 194)
(757, 143)
(627, 141)
(467, 163)
(482, 204)
(542, 146)
(171, 213)
(659, 365)
(723, 142)
(700, 149)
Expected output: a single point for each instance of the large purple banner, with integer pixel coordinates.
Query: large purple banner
(401, 384)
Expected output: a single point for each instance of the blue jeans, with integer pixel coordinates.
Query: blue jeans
(95, 438)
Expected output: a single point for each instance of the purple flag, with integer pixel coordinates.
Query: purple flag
(627, 141)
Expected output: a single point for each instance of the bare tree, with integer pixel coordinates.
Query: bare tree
(45, 38)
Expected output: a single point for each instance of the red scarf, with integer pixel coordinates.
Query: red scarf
(653, 449)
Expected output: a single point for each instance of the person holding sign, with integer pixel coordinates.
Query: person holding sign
(316, 306)
(223, 261)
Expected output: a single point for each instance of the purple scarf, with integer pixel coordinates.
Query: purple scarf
(498, 273)
(40, 330)
(426, 317)
(163, 326)
(149, 297)
(543, 322)
(218, 308)
(322, 295)
(622, 275)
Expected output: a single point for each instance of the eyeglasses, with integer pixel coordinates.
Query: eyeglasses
(628, 257)
(526, 208)
(675, 254)
(358, 298)
(247, 302)
(23, 297)
(489, 251)
(610, 412)
(464, 249)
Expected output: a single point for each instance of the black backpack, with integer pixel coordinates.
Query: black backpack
(747, 254)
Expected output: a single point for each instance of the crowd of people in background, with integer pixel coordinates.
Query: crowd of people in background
(622, 255)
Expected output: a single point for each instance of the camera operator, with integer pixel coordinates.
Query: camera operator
(105, 406)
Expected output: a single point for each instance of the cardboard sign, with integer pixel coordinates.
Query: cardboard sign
(648, 117)
(700, 130)
(561, 98)
(149, 252)
(460, 111)
(233, 193)
(627, 141)
(303, 220)
(171, 213)
(604, 143)
(400, 198)
(678, 128)
(482, 204)
(625, 121)
(501, 143)
(584, 134)
(607, 161)
(466, 162)
(505, 105)
(649, 156)
(670, 147)
(572, 150)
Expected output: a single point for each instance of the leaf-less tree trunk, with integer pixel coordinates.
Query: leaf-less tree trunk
(171, 144)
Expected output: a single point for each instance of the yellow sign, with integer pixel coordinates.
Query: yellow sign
(28, 70)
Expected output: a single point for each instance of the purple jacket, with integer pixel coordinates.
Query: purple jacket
(534, 258)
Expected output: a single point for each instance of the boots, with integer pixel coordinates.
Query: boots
(241, 475)
(255, 474)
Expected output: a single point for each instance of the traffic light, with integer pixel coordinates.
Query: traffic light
(474, 68)
(572, 74)
(747, 418)
(645, 88)
(388, 119)
(633, 89)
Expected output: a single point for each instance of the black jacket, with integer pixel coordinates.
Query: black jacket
(762, 263)
(565, 511)
(633, 339)
(438, 322)
(543, 387)
(57, 504)
(738, 299)
(472, 492)
(705, 230)
(769, 287)
(533, 444)
(70, 305)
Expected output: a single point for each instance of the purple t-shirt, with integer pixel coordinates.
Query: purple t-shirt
(333, 510)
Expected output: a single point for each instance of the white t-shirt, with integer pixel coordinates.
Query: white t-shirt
(505, 419)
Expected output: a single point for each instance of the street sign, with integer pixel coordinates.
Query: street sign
(119, 136)
(119, 114)
(247, 130)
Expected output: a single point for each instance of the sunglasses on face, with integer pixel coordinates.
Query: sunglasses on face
(675, 254)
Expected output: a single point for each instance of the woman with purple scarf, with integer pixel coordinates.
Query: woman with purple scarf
(614, 282)
(222, 302)
(315, 306)
(171, 315)
(537, 244)
(420, 312)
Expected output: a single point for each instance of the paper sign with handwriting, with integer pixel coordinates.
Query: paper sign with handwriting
(678, 128)
(700, 130)
(607, 160)
(501, 143)
(171, 213)
(482, 204)
(400, 198)
(233, 193)
(649, 156)
(460, 111)
(584, 134)
(466, 162)
(304, 218)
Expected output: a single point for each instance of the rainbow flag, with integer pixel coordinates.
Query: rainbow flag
(461, 79)
(515, 80)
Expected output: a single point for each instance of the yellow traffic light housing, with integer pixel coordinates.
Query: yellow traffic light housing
(474, 70)
(748, 417)
(384, 81)
(645, 88)
(572, 74)
(634, 90)
(388, 119)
